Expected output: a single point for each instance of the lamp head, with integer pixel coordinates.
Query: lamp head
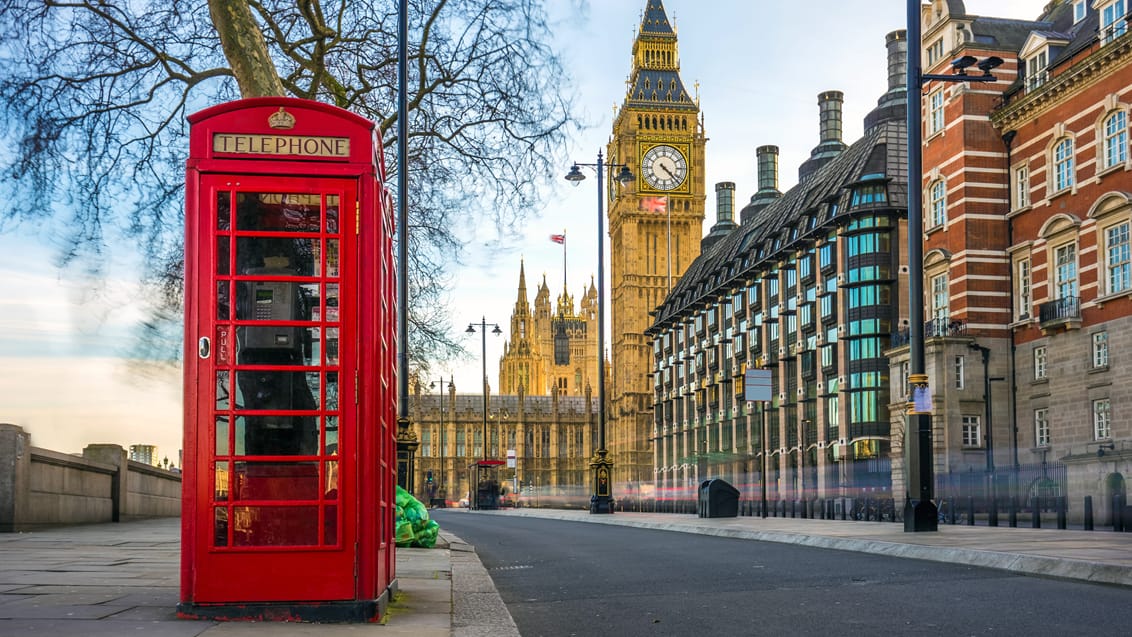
(625, 177)
(959, 65)
(575, 175)
(989, 64)
(496, 330)
(471, 329)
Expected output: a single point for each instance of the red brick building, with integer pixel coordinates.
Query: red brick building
(1027, 192)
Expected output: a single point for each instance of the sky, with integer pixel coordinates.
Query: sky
(759, 66)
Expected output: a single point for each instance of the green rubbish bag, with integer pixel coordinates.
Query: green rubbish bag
(414, 528)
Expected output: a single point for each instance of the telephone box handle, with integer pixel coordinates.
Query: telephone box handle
(204, 347)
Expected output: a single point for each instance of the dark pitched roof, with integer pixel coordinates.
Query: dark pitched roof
(737, 254)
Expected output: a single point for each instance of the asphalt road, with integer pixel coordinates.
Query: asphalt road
(565, 578)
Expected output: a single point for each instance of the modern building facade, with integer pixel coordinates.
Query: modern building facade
(659, 132)
(551, 346)
(809, 286)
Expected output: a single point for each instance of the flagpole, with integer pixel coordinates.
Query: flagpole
(564, 260)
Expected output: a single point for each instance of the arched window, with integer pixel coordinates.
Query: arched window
(937, 203)
(1115, 133)
(1063, 176)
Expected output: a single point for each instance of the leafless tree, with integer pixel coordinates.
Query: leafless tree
(94, 95)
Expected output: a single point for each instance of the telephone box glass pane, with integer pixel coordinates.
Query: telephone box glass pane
(223, 210)
(275, 481)
(332, 258)
(223, 246)
(223, 309)
(278, 212)
(222, 435)
(330, 525)
(280, 256)
(275, 526)
(221, 479)
(331, 490)
(222, 391)
(276, 301)
(276, 435)
(332, 302)
(332, 346)
(331, 448)
(331, 392)
(332, 213)
(220, 526)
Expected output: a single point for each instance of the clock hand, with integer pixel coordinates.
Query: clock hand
(665, 169)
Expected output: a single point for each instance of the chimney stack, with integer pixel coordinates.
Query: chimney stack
(767, 158)
(829, 105)
(893, 104)
(724, 215)
(829, 109)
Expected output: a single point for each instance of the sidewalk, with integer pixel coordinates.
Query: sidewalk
(112, 579)
(108, 580)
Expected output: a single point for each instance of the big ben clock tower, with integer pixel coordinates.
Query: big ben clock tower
(658, 131)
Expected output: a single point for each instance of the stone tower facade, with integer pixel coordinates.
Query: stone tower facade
(659, 133)
(551, 345)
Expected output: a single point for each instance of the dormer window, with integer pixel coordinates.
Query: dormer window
(1037, 71)
(935, 51)
(1079, 9)
(1113, 20)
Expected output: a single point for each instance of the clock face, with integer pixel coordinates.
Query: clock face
(664, 167)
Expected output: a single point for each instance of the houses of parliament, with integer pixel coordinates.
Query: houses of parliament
(545, 407)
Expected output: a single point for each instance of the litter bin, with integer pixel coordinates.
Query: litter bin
(718, 499)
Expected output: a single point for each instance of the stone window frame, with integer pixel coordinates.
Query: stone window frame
(1102, 419)
(1108, 33)
(1111, 210)
(936, 120)
(1020, 186)
(1113, 108)
(1041, 427)
(1098, 348)
(971, 431)
(937, 203)
(1056, 158)
(1040, 356)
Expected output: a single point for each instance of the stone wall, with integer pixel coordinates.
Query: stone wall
(42, 488)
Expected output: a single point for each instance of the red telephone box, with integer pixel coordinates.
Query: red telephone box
(290, 403)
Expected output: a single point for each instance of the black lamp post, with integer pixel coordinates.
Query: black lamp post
(443, 490)
(920, 513)
(601, 501)
(483, 356)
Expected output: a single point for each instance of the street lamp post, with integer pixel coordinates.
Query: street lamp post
(601, 501)
(920, 513)
(483, 356)
(443, 490)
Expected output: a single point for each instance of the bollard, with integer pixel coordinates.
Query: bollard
(1036, 520)
(1062, 514)
(992, 514)
(1088, 513)
(970, 511)
(1013, 511)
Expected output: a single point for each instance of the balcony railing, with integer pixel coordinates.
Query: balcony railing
(933, 328)
(1064, 310)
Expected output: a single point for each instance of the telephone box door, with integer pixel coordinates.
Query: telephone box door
(276, 425)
